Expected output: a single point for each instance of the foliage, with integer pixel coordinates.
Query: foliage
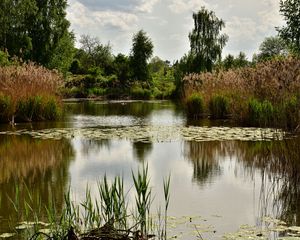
(206, 40)
(93, 53)
(122, 68)
(273, 87)
(231, 62)
(195, 105)
(29, 89)
(290, 10)
(272, 47)
(26, 24)
(142, 49)
(219, 107)
(4, 59)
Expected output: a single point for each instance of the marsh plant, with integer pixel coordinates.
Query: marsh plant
(265, 95)
(29, 92)
(104, 213)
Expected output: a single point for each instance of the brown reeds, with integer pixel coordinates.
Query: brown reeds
(18, 83)
(276, 81)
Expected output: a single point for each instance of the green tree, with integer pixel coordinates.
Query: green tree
(272, 47)
(142, 49)
(228, 62)
(122, 68)
(290, 10)
(206, 40)
(94, 54)
(15, 20)
(241, 60)
(49, 30)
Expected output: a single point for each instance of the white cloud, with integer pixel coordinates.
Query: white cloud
(180, 6)
(82, 17)
(146, 6)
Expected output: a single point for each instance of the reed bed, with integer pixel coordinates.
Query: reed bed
(275, 84)
(29, 92)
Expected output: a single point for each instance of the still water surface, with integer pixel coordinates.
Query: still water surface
(223, 182)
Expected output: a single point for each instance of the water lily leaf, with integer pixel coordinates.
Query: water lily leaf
(7, 235)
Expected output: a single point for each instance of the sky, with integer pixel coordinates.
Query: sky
(168, 23)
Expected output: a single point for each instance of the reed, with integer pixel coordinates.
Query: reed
(26, 90)
(272, 83)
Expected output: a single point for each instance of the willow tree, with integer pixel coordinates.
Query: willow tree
(142, 49)
(290, 10)
(206, 40)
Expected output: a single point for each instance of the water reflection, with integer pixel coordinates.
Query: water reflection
(141, 150)
(239, 180)
(38, 167)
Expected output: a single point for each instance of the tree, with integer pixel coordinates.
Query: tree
(206, 40)
(49, 30)
(272, 47)
(290, 10)
(122, 68)
(142, 49)
(15, 17)
(94, 54)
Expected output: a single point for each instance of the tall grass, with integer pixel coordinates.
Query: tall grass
(195, 106)
(27, 90)
(105, 216)
(274, 84)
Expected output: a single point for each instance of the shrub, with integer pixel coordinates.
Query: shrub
(218, 107)
(138, 92)
(52, 109)
(5, 107)
(291, 112)
(195, 105)
(261, 113)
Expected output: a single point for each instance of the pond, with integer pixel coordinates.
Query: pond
(222, 176)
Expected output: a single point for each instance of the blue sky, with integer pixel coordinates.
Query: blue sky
(168, 22)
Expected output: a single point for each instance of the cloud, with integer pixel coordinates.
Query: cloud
(82, 17)
(146, 6)
(181, 6)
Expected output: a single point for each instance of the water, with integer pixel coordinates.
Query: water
(221, 176)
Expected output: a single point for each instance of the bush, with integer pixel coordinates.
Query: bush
(195, 106)
(261, 113)
(138, 92)
(51, 109)
(6, 108)
(218, 107)
(291, 112)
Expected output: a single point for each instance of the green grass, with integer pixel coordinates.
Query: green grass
(219, 107)
(195, 106)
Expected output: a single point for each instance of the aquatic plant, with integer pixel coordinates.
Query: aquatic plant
(25, 85)
(195, 106)
(218, 107)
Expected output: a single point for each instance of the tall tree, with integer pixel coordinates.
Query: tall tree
(49, 29)
(271, 47)
(290, 10)
(142, 50)
(206, 40)
(95, 54)
(15, 17)
(36, 30)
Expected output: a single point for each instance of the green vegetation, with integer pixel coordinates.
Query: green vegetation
(195, 106)
(264, 95)
(107, 215)
(219, 107)
(29, 93)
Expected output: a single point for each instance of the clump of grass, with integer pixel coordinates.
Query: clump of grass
(109, 210)
(195, 106)
(28, 86)
(275, 83)
(219, 107)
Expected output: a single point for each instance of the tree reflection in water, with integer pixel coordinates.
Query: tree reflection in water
(278, 164)
(36, 166)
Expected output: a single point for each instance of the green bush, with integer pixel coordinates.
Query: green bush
(291, 113)
(97, 91)
(195, 106)
(138, 92)
(5, 108)
(51, 109)
(29, 109)
(218, 107)
(261, 113)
